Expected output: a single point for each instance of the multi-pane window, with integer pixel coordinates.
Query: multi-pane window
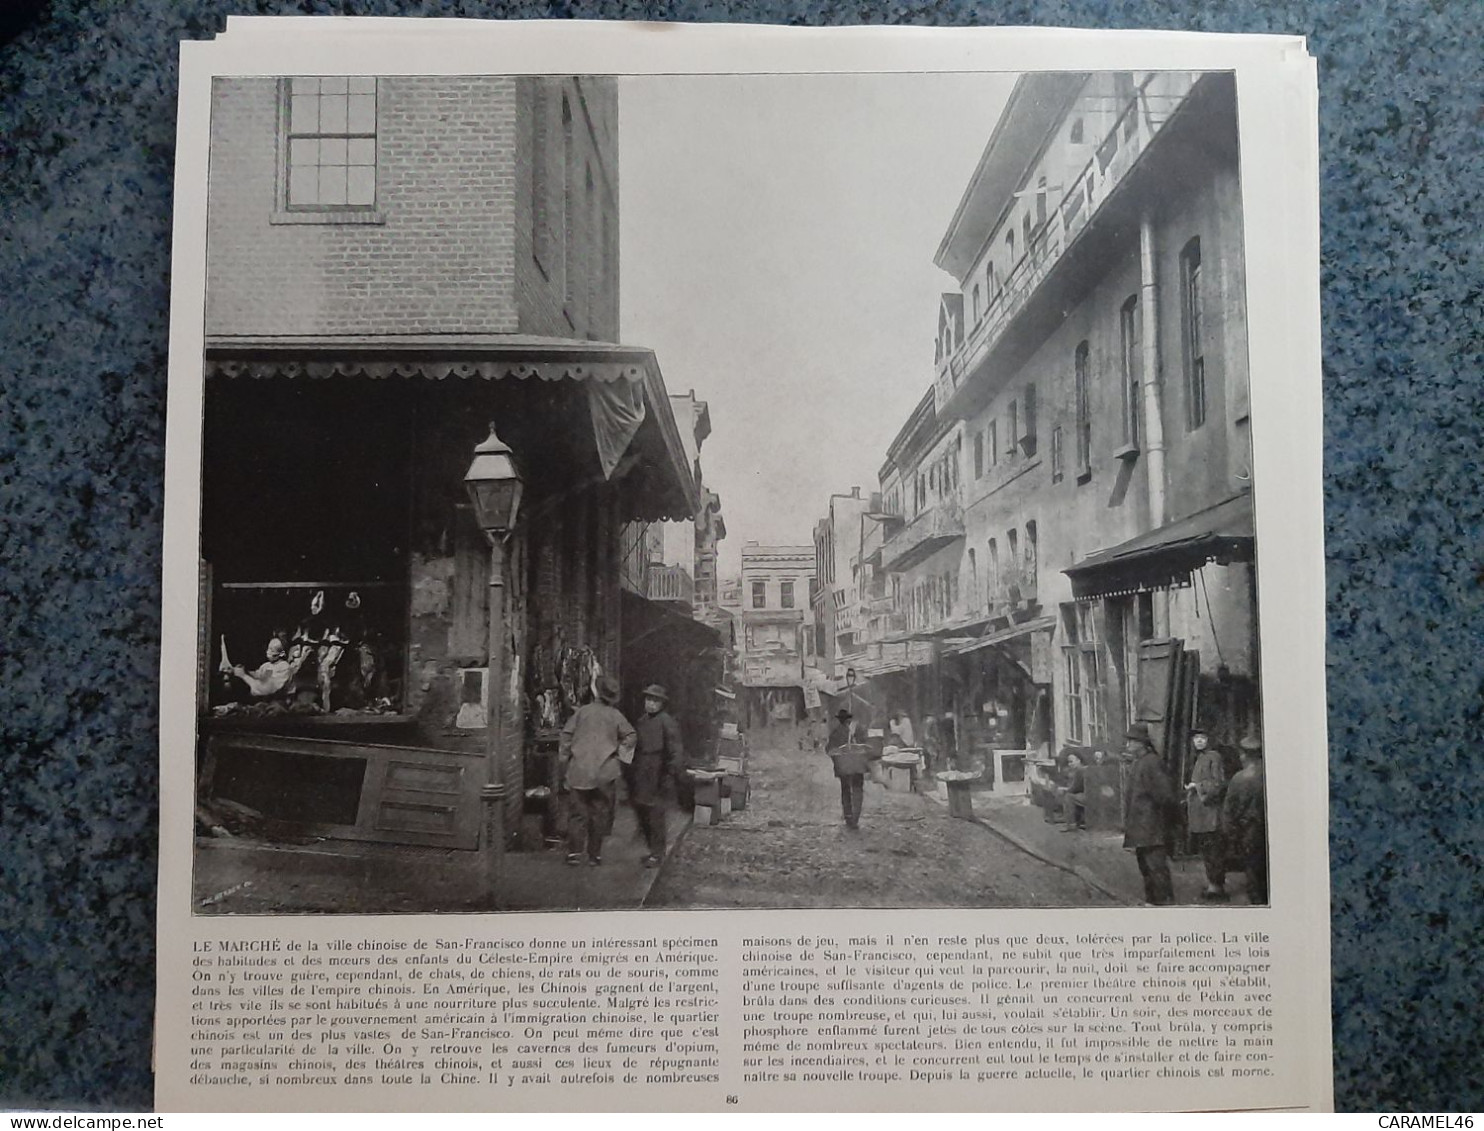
(786, 594)
(1081, 364)
(759, 594)
(1056, 461)
(1031, 535)
(331, 158)
(1083, 690)
(1131, 366)
(1192, 320)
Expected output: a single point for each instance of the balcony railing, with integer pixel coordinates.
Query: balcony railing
(876, 535)
(671, 583)
(929, 532)
(1151, 107)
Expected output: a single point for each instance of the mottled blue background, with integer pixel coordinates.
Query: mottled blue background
(87, 125)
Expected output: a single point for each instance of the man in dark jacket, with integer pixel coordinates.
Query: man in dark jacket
(1244, 820)
(1149, 812)
(852, 784)
(658, 755)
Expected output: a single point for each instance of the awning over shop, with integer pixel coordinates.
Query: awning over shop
(634, 429)
(1004, 635)
(1168, 556)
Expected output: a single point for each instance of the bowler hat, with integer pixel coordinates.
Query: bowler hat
(1139, 732)
(608, 689)
(655, 691)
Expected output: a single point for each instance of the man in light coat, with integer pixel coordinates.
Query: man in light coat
(595, 740)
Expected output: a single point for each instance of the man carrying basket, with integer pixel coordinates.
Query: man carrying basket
(850, 768)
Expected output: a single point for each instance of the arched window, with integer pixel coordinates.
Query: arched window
(1083, 382)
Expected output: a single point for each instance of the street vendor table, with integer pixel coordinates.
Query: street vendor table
(960, 801)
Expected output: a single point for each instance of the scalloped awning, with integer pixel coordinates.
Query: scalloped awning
(628, 403)
(1159, 559)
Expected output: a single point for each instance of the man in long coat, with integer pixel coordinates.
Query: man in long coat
(658, 755)
(1149, 813)
(1244, 818)
(1204, 794)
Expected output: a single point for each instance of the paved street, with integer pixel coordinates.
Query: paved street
(790, 848)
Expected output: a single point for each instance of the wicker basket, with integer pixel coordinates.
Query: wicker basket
(850, 759)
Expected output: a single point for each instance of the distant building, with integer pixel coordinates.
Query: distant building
(839, 618)
(777, 630)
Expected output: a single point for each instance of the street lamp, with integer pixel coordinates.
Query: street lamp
(494, 488)
(850, 687)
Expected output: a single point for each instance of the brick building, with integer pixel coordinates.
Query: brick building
(393, 264)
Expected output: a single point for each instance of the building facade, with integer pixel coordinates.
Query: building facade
(839, 623)
(395, 263)
(776, 634)
(1067, 517)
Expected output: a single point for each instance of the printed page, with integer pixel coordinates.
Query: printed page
(718, 568)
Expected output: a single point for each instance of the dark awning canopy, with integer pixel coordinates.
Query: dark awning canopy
(1163, 558)
(634, 430)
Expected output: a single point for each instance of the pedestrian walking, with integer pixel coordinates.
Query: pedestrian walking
(850, 768)
(1244, 820)
(658, 755)
(1149, 810)
(595, 741)
(1204, 794)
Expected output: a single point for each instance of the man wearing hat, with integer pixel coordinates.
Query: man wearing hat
(596, 739)
(1204, 794)
(852, 785)
(1244, 819)
(1149, 812)
(658, 754)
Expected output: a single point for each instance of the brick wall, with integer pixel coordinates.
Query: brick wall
(553, 204)
(442, 259)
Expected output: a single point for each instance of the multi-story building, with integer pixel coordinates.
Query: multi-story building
(1076, 526)
(836, 598)
(393, 264)
(777, 630)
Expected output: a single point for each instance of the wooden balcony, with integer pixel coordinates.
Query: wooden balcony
(924, 536)
(671, 584)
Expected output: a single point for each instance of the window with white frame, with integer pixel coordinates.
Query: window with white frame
(330, 159)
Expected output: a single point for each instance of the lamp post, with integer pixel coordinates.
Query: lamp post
(494, 487)
(850, 687)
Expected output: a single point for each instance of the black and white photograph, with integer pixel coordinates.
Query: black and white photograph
(723, 491)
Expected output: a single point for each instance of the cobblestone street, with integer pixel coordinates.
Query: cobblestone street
(790, 848)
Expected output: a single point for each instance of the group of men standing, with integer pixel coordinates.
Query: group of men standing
(1226, 819)
(598, 746)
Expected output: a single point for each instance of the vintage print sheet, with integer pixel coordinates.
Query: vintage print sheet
(743, 568)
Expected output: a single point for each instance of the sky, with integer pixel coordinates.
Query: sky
(777, 236)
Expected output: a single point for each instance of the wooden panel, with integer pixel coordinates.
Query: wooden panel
(408, 795)
(421, 777)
